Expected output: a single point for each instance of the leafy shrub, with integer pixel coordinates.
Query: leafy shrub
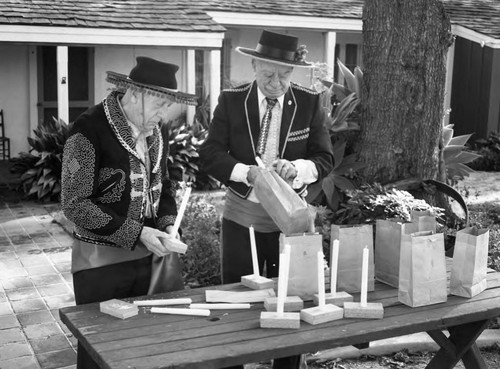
(489, 149)
(372, 202)
(183, 160)
(487, 215)
(201, 226)
(40, 168)
(367, 204)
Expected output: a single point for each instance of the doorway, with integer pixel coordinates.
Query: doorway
(80, 79)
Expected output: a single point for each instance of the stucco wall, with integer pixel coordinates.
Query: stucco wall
(123, 59)
(14, 95)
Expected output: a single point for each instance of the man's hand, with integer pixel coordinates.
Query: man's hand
(285, 169)
(150, 237)
(253, 172)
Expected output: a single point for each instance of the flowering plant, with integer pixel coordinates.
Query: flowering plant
(300, 54)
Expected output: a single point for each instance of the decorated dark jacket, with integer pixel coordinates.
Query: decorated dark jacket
(104, 184)
(235, 127)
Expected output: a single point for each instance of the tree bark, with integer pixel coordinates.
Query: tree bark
(404, 67)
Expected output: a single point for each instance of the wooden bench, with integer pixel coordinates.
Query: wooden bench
(231, 337)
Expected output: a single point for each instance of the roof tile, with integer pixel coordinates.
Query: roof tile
(482, 16)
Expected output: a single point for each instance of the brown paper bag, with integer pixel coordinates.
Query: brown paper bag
(352, 241)
(470, 261)
(284, 206)
(387, 248)
(422, 270)
(303, 272)
(388, 244)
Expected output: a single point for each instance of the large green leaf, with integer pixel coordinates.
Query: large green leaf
(343, 183)
(349, 77)
(463, 157)
(447, 135)
(460, 140)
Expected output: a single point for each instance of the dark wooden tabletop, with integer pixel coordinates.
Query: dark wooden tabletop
(231, 337)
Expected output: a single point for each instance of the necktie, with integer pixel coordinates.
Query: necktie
(263, 146)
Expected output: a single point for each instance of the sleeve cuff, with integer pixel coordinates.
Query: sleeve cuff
(239, 173)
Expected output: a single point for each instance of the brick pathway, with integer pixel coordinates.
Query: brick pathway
(35, 281)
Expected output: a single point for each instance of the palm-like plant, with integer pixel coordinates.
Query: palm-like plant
(40, 168)
(454, 156)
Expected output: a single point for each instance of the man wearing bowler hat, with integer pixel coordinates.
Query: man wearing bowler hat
(116, 190)
(274, 121)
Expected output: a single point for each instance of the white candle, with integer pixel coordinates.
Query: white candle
(253, 248)
(364, 277)
(321, 279)
(334, 267)
(179, 311)
(287, 250)
(180, 301)
(181, 211)
(221, 306)
(280, 302)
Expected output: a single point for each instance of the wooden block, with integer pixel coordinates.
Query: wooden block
(321, 314)
(337, 298)
(256, 282)
(238, 297)
(270, 319)
(292, 303)
(118, 308)
(372, 310)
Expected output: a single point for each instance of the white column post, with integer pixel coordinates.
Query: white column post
(215, 65)
(33, 89)
(450, 57)
(330, 41)
(191, 83)
(62, 84)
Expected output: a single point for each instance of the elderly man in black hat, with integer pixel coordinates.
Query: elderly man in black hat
(116, 190)
(279, 122)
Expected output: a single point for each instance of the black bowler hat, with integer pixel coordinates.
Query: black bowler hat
(278, 48)
(153, 77)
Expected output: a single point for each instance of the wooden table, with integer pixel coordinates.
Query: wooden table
(234, 337)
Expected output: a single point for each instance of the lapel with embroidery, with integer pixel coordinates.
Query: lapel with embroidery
(252, 116)
(288, 115)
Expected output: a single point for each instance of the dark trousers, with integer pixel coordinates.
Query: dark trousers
(237, 262)
(128, 279)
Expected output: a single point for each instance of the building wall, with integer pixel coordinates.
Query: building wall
(494, 106)
(471, 88)
(14, 95)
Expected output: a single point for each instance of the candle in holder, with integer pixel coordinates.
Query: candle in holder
(364, 309)
(321, 279)
(364, 277)
(334, 267)
(280, 318)
(253, 248)
(323, 312)
(334, 297)
(181, 211)
(255, 281)
(174, 244)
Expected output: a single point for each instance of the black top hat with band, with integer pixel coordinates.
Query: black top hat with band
(278, 48)
(152, 77)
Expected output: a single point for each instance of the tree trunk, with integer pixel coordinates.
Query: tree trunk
(404, 49)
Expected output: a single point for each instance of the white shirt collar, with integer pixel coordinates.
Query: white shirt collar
(261, 97)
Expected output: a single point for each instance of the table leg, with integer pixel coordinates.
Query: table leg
(460, 345)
